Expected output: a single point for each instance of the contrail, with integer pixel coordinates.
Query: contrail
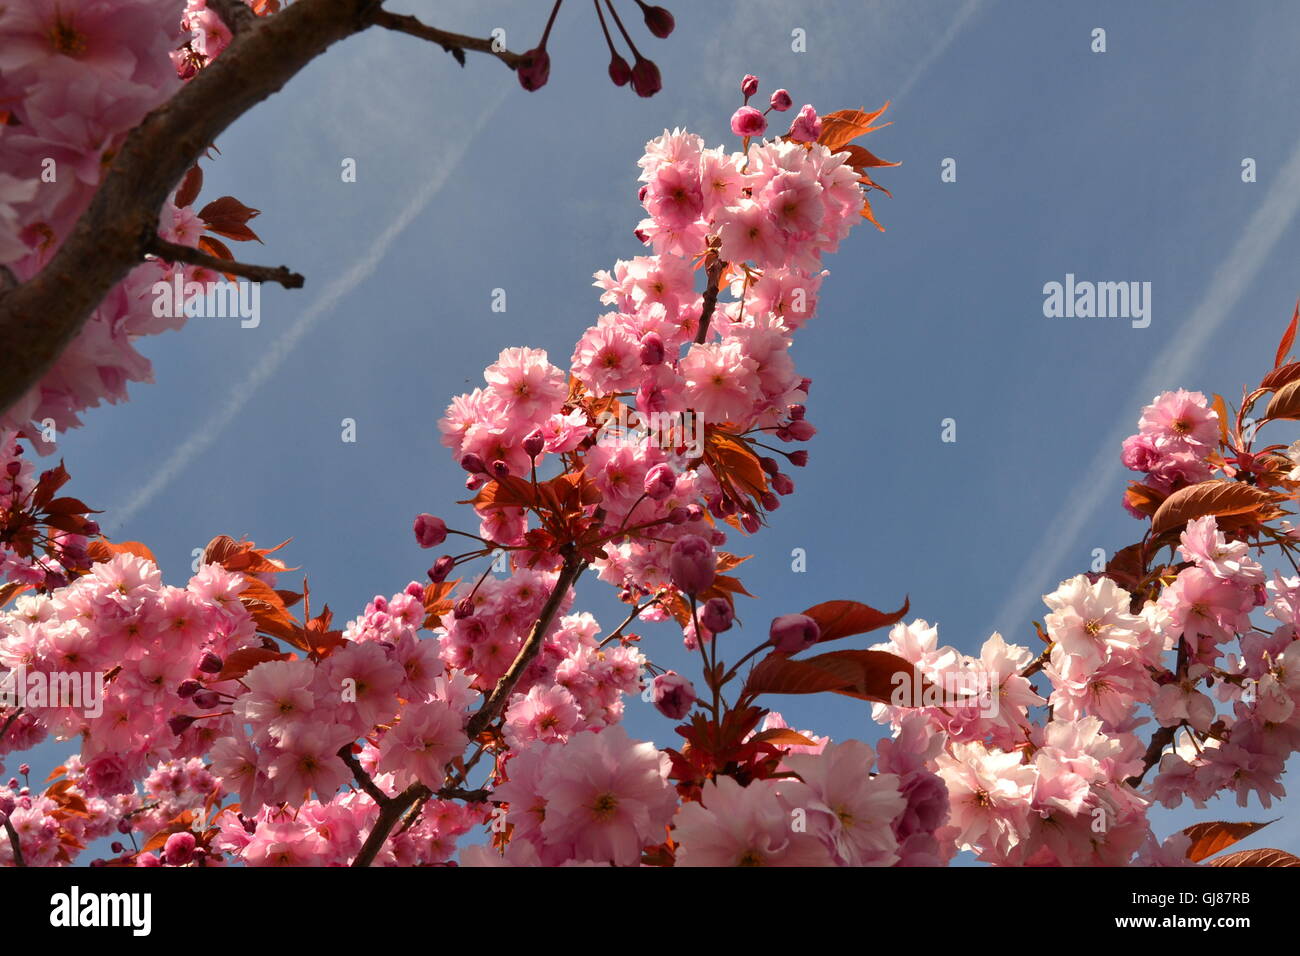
(939, 49)
(1102, 481)
(271, 360)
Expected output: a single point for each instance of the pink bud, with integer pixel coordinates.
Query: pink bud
(619, 71)
(717, 615)
(801, 430)
(799, 458)
(673, 694)
(210, 663)
(749, 85)
(792, 633)
(463, 608)
(660, 481)
(441, 568)
(180, 723)
(645, 78)
(472, 463)
(147, 859)
(748, 121)
(179, 848)
(206, 699)
(429, 531)
(500, 469)
(782, 484)
(652, 349)
(536, 69)
(781, 101)
(534, 443)
(692, 565)
(13, 468)
(658, 20)
(188, 688)
(807, 126)
(679, 516)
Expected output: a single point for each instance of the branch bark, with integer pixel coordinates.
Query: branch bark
(174, 252)
(40, 317)
(454, 43)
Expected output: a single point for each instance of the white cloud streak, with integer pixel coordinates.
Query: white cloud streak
(1102, 482)
(271, 360)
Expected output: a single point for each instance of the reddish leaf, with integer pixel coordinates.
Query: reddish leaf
(1285, 402)
(860, 158)
(1288, 337)
(870, 216)
(240, 662)
(867, 675)
(1256, 858)
(1144, 498)
(190, 186)
(843, 126)
(101, 550)
(1280, 376)
(69, 506)
(1209, 838)
(159, 839)
(49, 483)
(783, 737)
(215, 247)
(1216, 497)
(11, 590)
(845, 618)
(1221, 410)
(228, 217)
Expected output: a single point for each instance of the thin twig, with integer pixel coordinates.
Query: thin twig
(13, 842)
(363, 778)
(174, 252)
(454, 43)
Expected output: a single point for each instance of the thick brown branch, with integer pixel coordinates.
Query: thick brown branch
(453, 43)
(173, 252)
(42, 315)
(235, 14)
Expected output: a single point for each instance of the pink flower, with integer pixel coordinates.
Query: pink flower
(860, 809)
(278, 697)
(107, 775)
(608, 357)
(744, 826)
(692, 564)
(545, 713)
(748, 121)
(430, 531)
(526, 384)
(749, 235)
(427, 736)
(1203, 544)
(1091, 621)
(308, 761)
(1181, 421)
(721, 382)
(1202, 605)
(792, 633)
(673, 695)
(807, 126)
(607, 796)
(989, 794)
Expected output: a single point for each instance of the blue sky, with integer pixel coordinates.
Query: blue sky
(1114, 166)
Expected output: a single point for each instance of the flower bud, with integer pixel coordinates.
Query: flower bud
(799, 458)
(180, 723)
(782, 484)
(801, 430)
(792, 633)
(673, 695)
(619, 71)
(645, 78)
(807, 126)
(429, 531)
(749, 85)
(769, 464)
(748, 121)
(781, 101)
(660, 481)
(207, 699)
(441, 568)
(13, 468)
(658, 20)
(692, 565)
(500, 470)
(472, 463)
(534, 443)
(188, 688)
(652, 349)
(749, 521)
(179, 848)
(717, 615)
(463, 608)
(679, 516)
(210, 663)
(536, 69)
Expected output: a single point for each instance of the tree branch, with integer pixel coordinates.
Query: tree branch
(173, 252)
(235, 14)
(391, 812)
(454, 43)
(40, 317)
(361, 777)
(1161, 739)
(13, 842)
